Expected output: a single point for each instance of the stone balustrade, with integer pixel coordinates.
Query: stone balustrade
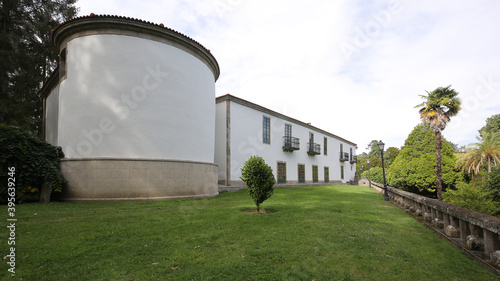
(474, 231)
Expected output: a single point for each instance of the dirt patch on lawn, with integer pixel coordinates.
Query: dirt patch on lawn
(262, 212)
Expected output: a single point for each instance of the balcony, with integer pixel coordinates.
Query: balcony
(354, 158)
(290, 144)
(344, 156)
(313, 148)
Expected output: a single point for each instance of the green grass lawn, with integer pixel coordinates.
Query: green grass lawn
(312, 233)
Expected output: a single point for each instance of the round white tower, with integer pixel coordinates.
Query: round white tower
(133, 109)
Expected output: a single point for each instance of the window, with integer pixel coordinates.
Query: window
(325, 149)
(341, 149)
(327, 174)
(315, 173)
(350, 155)
(288, 135)
(302, 173)
(311, 143)
(341, 172)
(281, 172)
(266, 127)
(288, 130)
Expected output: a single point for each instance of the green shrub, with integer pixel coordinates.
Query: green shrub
(414, 169)
(476, 198)
(34, 160)
(376, 174)
(259, 179)
(493, 183)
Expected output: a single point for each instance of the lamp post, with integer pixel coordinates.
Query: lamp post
(369, 180)
(381, 147)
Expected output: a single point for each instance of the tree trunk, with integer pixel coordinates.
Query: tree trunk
(45, 192)
(439, 183)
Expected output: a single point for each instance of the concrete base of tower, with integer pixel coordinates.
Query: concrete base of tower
(107, 179)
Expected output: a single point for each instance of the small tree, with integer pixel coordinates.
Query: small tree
(259, 179)
(34, 162)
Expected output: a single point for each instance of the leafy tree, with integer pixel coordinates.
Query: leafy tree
(492, 124)
(34, 160)
(493, 183)
(259, 179)
(475, 198)
(392, 153)
(375, 162)
(376, 174)
(361, 164)
(28, 57)
(483, 155)
(375, 155)
(374, 150)
(488, 148)
(413, 169)
(470, 163)
(363, 155)
(436, 110)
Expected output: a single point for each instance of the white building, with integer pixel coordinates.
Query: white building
(297, 152)
(133, 106)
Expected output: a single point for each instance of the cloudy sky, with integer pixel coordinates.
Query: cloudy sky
(353, 68)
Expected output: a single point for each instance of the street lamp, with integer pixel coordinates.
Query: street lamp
(381, 147)
(369, 180)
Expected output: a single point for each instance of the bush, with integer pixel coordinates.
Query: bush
(376, 175)
(259, 179)
(34, 160)
(493, 183)
(414, 169)
(476, 198)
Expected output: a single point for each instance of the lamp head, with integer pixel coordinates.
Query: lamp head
(381, 145)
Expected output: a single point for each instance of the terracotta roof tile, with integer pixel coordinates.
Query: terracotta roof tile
(92, 15)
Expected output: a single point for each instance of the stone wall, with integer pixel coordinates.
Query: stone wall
(137, 179)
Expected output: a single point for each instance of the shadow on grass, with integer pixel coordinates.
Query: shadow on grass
(265, 211)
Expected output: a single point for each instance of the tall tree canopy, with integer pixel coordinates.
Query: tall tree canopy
(488, 149)
(492, 125)
(414, 167)
(27, 56)
(436, 110)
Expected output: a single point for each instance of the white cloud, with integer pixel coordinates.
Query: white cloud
(288, 56)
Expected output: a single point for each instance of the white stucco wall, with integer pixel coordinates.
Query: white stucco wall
(220, 140)
(52, 116)
(130, 97)
(246, 140)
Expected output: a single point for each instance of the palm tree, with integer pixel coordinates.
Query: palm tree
(436, 110)
(488, 148)
(469, 162)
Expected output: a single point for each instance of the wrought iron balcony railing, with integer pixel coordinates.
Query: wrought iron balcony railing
(290, 143)
(313, 148)
(354, 158)
(344, 156)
